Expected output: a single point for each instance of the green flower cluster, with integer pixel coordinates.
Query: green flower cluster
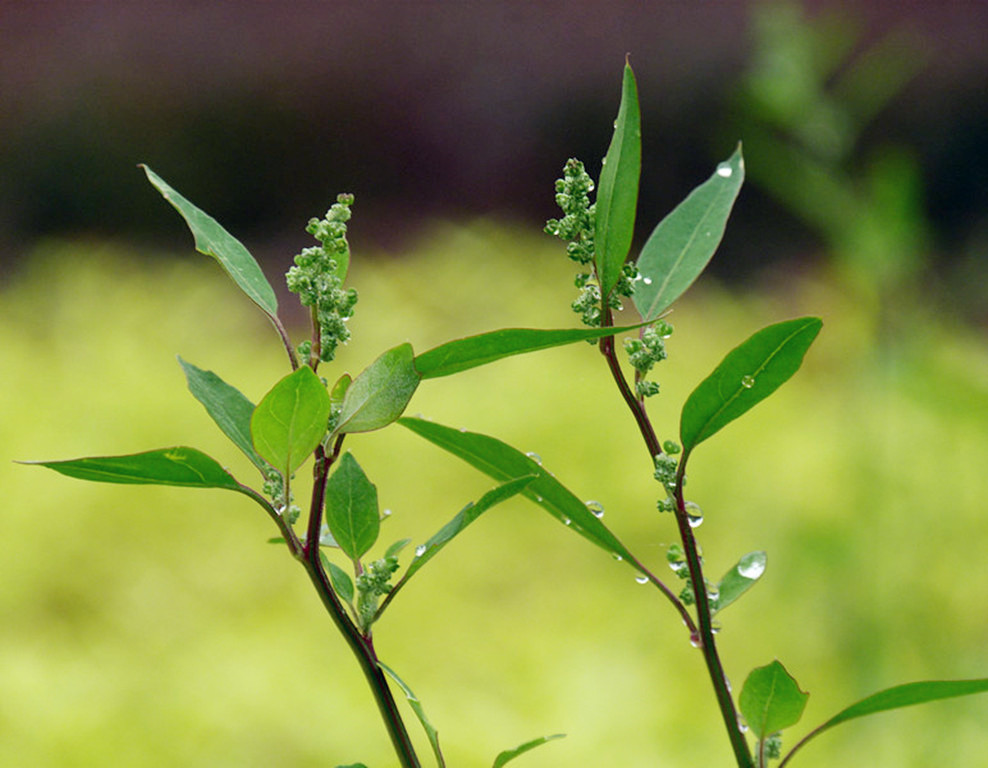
(274, 489)
(644, 352)
(372, 585)
(318, 276)
(577, 228)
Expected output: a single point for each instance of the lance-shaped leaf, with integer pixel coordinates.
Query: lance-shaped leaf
(740, 579)
(617, 192)
(510, 754)
(166, 466)
(681, 246)
(771, 700)
(351, 508)
(472, 351)
(425, 552)
(747, 375)
(379, 395)
(896, 697)
(291, 420)
(226, 405)
(416, 705)
(213, 240)
(502, 462)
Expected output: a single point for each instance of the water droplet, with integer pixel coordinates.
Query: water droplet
(647, 280)
(641, 578)
(603, 162)
(679, 568)
(695, 640)
(694, 515)
(538, 499)
(420, 550)
(713, 594)
(596, 508)
(387, 513)
(567, 521)
(715, 628)
(742, 725)
(725, 171)
(463, 429)
(534, 457)
(747, 381)
(752, 565)
(617, 557)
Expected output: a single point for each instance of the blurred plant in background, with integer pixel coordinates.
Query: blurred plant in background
(808, 95)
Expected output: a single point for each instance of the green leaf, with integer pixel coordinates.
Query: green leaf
(740, 579)
(416, 706)
(617, 192)
(338, 392)
(213, 240)
(351, 508)
(896, 697)
(771, 700)
(502, 462)
(291, 420)
(227, 406)
(511, 754)
(395, 549)
(381, 392)
(747, 375)
(458, 524)
(463, 354)
(681, 246)
(166, 466)
(352, 765)
(342, 583)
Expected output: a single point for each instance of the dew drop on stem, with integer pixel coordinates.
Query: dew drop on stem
(641, 578)
(694, 515)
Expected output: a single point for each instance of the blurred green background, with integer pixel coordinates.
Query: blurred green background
(156, 627)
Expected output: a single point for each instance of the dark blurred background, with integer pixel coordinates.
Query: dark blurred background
(262, 112)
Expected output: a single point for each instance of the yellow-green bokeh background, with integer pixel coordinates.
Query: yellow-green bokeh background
(156, 627)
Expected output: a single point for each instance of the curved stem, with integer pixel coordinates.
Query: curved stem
(701, 635)
(361, 646)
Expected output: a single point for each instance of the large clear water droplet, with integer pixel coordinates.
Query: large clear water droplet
(534, 457)
(752, 565)
(596, 508)
(641, 578)
(695, 639)
(747, 381)
(420, 550)
(694, 515)
(725, 171)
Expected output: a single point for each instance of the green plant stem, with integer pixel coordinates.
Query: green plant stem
(286, 341)
(702, 635)
(361, 646)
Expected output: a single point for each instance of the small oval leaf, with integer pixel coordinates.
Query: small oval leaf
(213, 240)
(742, 577)
(683, 243)
(771, 700)
(747, 375)
(379, 395)
(617, 192)
(291, 420)
(351, 508)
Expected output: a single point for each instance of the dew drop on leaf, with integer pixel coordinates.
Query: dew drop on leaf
(752, 565)
(596, 508)
(641, 578)
(747, 381)
(420, 550)
(534, 457)
(724, 171)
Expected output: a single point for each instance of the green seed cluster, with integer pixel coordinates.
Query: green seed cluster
(644, 352)
(274, 489)
(318, 276)
(372, 585)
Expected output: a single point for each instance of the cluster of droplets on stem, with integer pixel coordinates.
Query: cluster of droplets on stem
(576, 227)
(676, 559)
(318, 276)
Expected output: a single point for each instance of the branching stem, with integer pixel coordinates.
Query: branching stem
(704, 638)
